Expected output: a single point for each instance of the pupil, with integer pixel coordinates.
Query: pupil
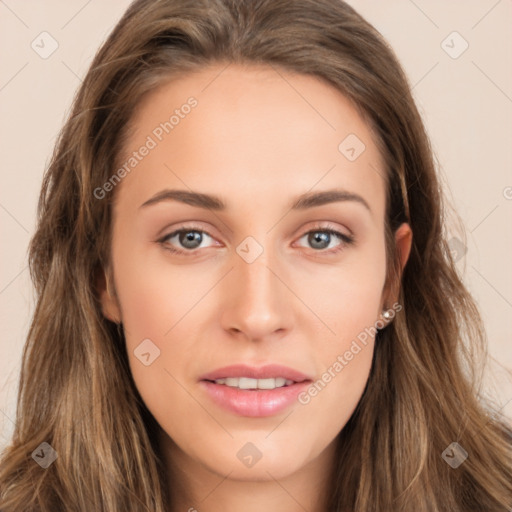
(191, 239)
(319, 240)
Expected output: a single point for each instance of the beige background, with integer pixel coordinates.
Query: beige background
(466, 103)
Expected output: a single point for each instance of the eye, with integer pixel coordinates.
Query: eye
(184, 240)
(324, 238)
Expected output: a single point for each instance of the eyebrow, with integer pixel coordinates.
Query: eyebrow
(210, 202)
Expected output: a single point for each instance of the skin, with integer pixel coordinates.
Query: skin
(257, 143)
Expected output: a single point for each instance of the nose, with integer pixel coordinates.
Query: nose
(257, 304)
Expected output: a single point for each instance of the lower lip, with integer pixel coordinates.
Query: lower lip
(251, 402)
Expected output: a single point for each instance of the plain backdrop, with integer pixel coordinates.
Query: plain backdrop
(457, 55)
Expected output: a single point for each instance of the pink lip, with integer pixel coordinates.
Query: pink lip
(254, 403)
(264, 372)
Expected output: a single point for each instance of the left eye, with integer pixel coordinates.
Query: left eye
(323, 238)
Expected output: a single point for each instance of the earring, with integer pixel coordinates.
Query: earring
(386, 314)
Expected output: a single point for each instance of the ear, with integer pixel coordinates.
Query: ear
(108, 297)
(403, 243)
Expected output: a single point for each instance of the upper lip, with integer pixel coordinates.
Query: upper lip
(262, 372)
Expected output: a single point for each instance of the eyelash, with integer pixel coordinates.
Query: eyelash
(346, 240)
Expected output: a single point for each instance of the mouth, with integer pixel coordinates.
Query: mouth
(249, 383)
(254, 392)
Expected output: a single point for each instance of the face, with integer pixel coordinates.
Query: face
(248, 259)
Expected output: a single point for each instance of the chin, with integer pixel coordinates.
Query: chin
(254, 458)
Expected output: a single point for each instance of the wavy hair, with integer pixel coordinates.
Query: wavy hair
(76, 391)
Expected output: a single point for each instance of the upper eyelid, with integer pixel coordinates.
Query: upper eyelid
(174, 232)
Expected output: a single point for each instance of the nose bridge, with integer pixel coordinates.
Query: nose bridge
(257, 304)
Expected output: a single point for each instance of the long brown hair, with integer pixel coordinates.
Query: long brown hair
(76, 391)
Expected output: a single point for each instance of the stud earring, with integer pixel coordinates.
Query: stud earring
(387, 315)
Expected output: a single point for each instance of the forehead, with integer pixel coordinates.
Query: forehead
(254, 131)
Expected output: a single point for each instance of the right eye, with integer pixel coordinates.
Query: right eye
(188, 239)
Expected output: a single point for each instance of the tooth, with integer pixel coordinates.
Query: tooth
(250, 383)
(266, 383)
(247, 383)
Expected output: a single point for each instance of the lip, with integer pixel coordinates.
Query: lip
(263, 372)
(254, 403)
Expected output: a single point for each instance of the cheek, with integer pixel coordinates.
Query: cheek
(344, 365)
(161, 307)
(154, 295)
(154, 306)
(348, 302)
(346, 297)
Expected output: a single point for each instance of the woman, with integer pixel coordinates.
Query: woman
(241, 226)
